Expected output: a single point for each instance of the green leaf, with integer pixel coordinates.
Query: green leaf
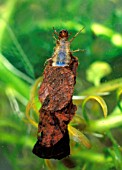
(97, 71)
(79, 137)
(99, 100)
(11, 80)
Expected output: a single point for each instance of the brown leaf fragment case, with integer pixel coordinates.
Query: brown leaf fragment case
(55, 94)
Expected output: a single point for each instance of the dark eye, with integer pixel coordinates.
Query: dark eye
(65, 31)
(63, 34)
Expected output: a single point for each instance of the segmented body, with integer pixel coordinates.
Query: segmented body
(61, 56)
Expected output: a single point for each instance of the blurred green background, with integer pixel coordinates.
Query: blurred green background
(26, 41)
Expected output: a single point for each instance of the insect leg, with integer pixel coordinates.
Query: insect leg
(48, 60)
(78, 51)
(54, 37)
(76, 35)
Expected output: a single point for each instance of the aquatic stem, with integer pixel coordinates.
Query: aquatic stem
(105, 124)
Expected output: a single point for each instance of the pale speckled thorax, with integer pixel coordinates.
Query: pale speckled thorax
(61, 55)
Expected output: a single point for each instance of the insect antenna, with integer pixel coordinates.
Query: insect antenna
(76, 35)
(55, 32)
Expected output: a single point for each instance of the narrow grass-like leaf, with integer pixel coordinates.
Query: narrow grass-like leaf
(23, 57)
(79, 137)
(99, 100)
(104, 87)
(11, 80)
(16, 139)
(119, 94)
(115, 152)
(28, 107)
(93, 157)
(105, 124)
(116, 38)
(49, 164)
(33, 96)
(9, 7)
(78, 120)
(15, 71)
(9, 123)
